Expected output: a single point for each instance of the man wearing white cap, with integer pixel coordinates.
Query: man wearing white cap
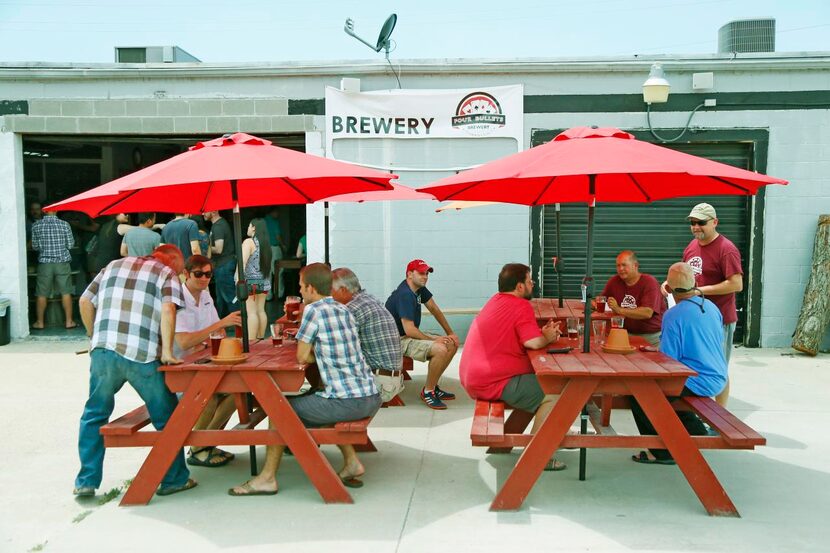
(405, 305)
(716, 263)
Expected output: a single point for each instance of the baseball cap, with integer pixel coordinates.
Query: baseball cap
(703, 211)
(419, 265)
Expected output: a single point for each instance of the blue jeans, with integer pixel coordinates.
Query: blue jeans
(225, 289)
(107, 373)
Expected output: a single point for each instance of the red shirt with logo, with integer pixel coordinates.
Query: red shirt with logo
(643, 293)
(712, 264)
(494, 350)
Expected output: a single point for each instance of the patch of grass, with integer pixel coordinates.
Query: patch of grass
(109, 496)
(82, 516)
(39, 547)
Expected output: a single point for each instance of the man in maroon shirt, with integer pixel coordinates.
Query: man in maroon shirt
(716, 263)
(636, 296)
(494, 362)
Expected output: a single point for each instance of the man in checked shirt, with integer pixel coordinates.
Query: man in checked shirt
(129, 311)
(52, 239)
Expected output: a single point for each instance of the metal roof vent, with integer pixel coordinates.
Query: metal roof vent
(152, 54)
(747, 35)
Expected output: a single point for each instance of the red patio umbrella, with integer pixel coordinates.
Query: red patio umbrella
(590, 164)
(234, 171)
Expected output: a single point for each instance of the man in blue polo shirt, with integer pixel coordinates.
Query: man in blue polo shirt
(692, 334)
(328, 336)
(405, 305)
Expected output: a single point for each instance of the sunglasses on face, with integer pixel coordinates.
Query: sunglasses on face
(696, 223)
(203, 274)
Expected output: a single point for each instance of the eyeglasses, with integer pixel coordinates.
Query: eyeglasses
(201, 274)
(696, 223)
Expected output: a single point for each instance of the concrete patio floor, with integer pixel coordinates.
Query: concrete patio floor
(427, 489)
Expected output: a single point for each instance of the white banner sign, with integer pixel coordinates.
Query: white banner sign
(480, 112)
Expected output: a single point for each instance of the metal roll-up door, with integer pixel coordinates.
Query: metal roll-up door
(657, 232)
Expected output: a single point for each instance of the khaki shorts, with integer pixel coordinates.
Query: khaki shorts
(52, 278)
(416, 349)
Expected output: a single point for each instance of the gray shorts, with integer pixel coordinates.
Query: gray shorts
(523, 392)
(53, 278)
(317, 411)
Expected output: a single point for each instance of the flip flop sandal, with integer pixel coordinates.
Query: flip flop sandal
(643, 457)
(226, 454)
(249, 490)
(554, 465)
(351, 482)
(209, 460)
(190, 484)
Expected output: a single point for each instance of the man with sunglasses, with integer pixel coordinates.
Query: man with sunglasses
(194, 324)
(716, 263)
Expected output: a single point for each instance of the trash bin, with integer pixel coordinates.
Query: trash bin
(5, 322)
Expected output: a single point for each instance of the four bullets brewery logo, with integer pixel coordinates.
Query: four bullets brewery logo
(479, 114)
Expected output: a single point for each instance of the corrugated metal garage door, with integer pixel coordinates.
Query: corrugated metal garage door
(658, 232)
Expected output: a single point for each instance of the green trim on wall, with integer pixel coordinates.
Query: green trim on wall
(315, 106)
(726, 101)
(14, 107)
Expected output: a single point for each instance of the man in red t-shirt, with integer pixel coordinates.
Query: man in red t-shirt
(636, 296)
(716, 263)
(494, 362)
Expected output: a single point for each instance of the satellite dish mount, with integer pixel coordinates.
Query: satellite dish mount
(384, 40)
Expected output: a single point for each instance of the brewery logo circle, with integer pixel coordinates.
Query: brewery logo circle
(696, 263)
(478, 114)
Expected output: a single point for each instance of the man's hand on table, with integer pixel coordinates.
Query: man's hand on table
(552, 330)
(615, 307)
(167, 358)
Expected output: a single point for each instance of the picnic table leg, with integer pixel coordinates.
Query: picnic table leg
(172, 438)
(544, 443)
(684, 451)
(297, 437)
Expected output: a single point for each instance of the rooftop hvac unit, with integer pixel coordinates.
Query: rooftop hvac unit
(747, 35)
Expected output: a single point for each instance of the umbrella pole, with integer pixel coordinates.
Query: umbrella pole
(326, 232)
(588, 283)
(241, 297)
(558, 265)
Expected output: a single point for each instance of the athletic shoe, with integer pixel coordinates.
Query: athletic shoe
(432, 400)
(443, 395)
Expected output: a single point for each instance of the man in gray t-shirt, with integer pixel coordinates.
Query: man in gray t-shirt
(184, 233)
(141, 241)
(223, 254)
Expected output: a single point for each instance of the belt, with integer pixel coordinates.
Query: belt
(384, 372)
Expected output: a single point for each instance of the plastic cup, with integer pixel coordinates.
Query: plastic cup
(292, 308)
(617, 322)
(599, 331)
(573, 328)
(215, 340)
(601, 301)
(276, 334)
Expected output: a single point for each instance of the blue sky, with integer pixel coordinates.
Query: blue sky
(257, 30)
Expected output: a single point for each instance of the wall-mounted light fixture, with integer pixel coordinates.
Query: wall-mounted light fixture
(656, 91)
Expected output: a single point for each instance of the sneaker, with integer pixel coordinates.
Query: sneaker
(84, 491)
(443, 395)
(432, 400)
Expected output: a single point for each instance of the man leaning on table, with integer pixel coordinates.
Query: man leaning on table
(327, 336)
(405, 305)
(692, 334)
(194, 324)
(636, 296)
(129, 311)
(494, 362)
(379, 340)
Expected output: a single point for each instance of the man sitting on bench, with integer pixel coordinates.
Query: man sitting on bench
(329, 337)
(692, 334)
(494, 362)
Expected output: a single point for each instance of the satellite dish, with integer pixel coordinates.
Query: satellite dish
(383, 41)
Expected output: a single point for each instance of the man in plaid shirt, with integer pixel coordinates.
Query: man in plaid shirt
(129, 312)
(327, 336)
(379, 339)
(52, 239)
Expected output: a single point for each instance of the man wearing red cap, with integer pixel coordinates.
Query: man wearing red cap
(405, 305)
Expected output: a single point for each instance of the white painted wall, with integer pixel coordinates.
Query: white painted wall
(13, 231)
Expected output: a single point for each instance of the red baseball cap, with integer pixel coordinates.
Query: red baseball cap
(419, 265)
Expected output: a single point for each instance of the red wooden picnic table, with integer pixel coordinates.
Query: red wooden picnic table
(648, 376)
(548, 308)
(268, 372)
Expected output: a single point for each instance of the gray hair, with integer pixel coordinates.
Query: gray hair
(345, 278)
(681, 275)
